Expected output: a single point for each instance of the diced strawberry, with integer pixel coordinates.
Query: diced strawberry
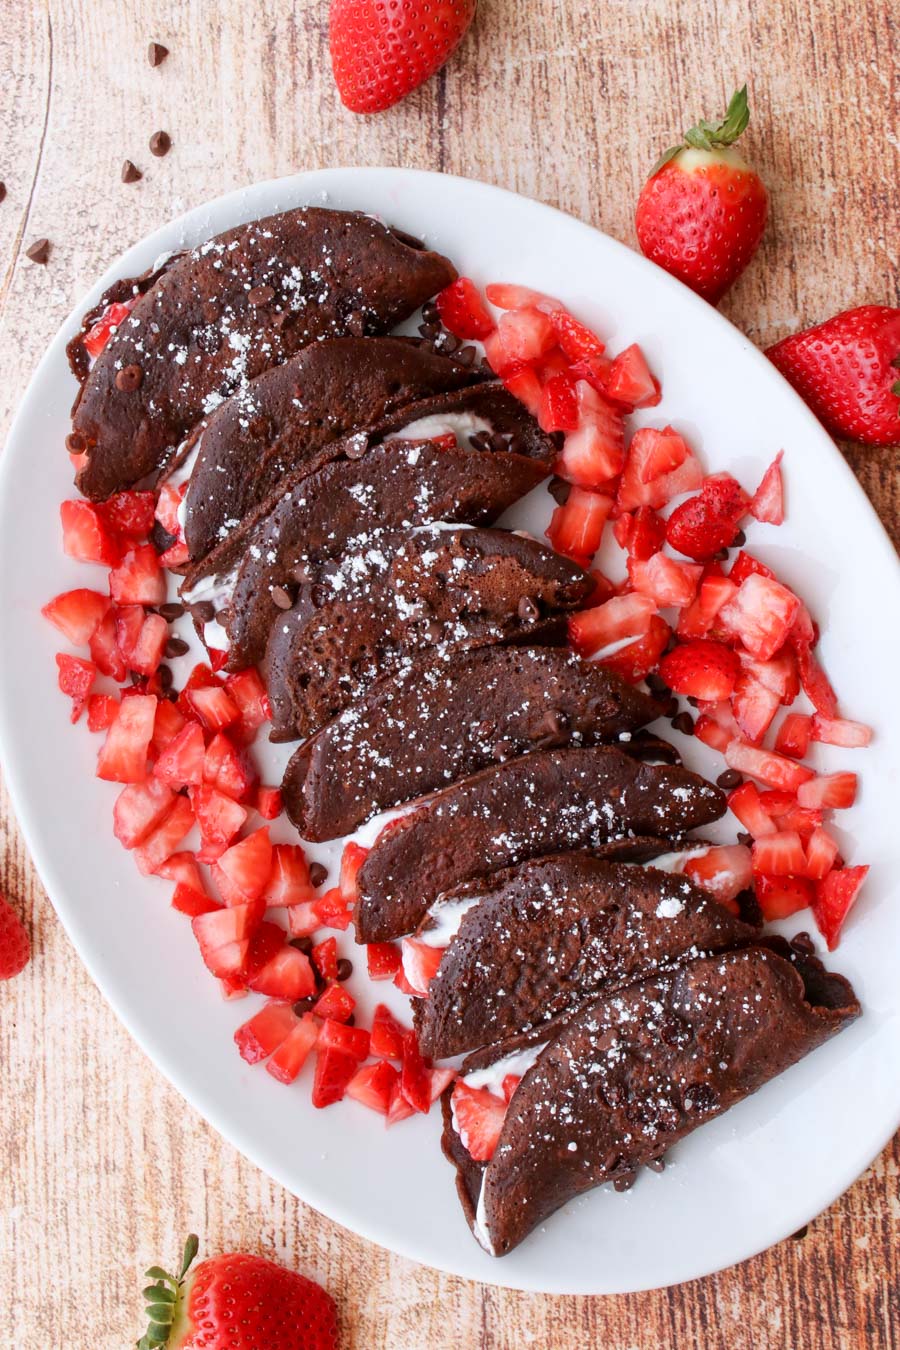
(227, 769)
(352, 859)
(821, 854)
(441, 1080)
(373, 1084)
(213, 706)
(182, 867)
(334, 1070)
(780, 897)
(147, 652)
(724, 871)
(700, 669)
(224, 936)
(594, 369)
(523, 383)
(383, 960)
(775, 770)
(415, 1075)
(525, 334)
(499, 362)
(123, 755)
(191, 902)
(201, 677)
(779, 855)
(554, 363)
(508, 1087)
(595, 452)
(129, 515)
(506, 295)
(97, 336)
(641, 533)
(603, 590)
(420, 964)
(325, 959)
(645, 450)
(760, 615)
(833, 791)
(248, 693)
(129, 620)
(403, 984)
(479, 1117)
(287, 975)
(139, 808)
(218, 816)
(714, 592)
(294, 1050)
(387, 1034)
(746, 804)
(333, 910)
(707, 730)
(815, 683)
(167, 723)
(839, 731)
(85, 535)
(576, 527)
(636, 659)
(75, 677)
(167, 507)
(577, 342)
(630, 382)
(768, 499)
(350, 1040)
(559, 405)
(805, 632)
(77, 614)
(666, 581)
(794, 735)
(337, 1002)
(745, 565)
(265, 1032)
(102, 711)
(399, 1108)
(834, 896)
(103, 649)
(302, 920)
(181, 763)
(779, 674)
(164, 840)
(754, 707)
(138, 579)
(243, 870)
(624, 616)
(662, 452)
(268, 802)
(462, 310)
(704, 524)
(288, 882)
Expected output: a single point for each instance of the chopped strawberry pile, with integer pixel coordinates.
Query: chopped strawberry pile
(734, 640)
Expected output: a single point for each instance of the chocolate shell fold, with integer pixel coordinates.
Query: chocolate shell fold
(547, 802)
(630, 1074)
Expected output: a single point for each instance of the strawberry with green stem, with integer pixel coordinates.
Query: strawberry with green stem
(702, 212)
(236, 1302)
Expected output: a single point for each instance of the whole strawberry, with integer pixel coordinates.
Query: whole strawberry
(702, 212)
(381, 51)
(14, 948)
(848, 371)
(236, 1302)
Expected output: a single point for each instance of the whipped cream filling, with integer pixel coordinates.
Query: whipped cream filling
(180, 475)
(366, 835)
(674, 862)
(446, 917)
(217, 591)
(461, 425)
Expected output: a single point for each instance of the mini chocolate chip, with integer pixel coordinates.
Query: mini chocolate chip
(481, 440)
(176, 646)
(3, 195)
(344, 968)
(317, 874)
(674, 1030)
(729, 779)
(357, 446)
(304, 944)
(429, 330)
(625, 1182)
(744, 838)
(554, 721)
(305, 1005)
(740, 539)
(165, 676)
(498, 442)
(319, 595)
(657, 1164)
(129, 378)
(694, 702)
(160, 143)
(720, 555)
(75, 443)
(447, 342)
(684, 723)
(465, 356)
(430, 312)
(281, 597)
(803, 944)
(260, 295)
(501, 750)
(699, 1097)
(171, 611)
(299, 573)
(528, 610)
(433, 631)
(156, 53)
(204, 611)
(351, 1020)
(800, 1233)
(355, 323)
(130, 172)
(39, 251)
(657, 685)
(670, 707)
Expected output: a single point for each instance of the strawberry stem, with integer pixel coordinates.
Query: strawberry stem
(714, 135)
(162, 1298)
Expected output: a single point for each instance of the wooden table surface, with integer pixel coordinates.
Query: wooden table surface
(103, 1168)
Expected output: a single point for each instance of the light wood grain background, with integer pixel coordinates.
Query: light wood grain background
(103, 1168)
